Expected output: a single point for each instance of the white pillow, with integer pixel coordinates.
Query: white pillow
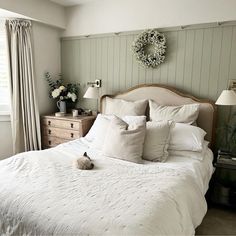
(125, 141)
(191, 154)
(184, 137)
(157, 141)
(182, 114)
(122, 108)
(97, 133)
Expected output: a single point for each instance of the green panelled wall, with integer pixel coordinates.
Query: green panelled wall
(198, 61)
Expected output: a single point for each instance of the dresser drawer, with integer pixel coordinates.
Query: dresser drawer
(63, 124)
(61, 133)
(50, 141)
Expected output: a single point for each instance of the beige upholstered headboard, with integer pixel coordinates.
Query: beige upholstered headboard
(165, 95)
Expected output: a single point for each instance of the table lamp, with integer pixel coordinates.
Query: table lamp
(227, 98)
(92, 93)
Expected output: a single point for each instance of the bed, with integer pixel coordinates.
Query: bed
(42, 194)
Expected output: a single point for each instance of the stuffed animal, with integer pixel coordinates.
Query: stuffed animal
(84, 162)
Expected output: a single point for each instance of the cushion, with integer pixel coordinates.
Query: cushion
(97, 133)
(182, 114)
(184, 137)
(125, 141)
(157, 141)
(122, 108)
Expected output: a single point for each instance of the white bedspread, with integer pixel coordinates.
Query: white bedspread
(41, 193)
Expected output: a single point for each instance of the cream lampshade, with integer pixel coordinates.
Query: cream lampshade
(227, 97)
(92, 92)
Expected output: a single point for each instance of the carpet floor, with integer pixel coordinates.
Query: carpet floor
(218, 221)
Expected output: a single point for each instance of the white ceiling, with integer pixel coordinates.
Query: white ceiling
(71, 2)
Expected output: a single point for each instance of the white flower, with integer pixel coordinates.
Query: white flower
(62, 87)
(56, 93)
(72, 96)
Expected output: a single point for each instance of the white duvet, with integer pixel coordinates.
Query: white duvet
(41, 193)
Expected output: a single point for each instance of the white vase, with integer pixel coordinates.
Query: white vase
(61, 106)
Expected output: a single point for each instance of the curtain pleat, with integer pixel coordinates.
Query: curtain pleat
(25, 115)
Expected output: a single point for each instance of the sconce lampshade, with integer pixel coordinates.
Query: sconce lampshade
(92, 92)
(227, 97)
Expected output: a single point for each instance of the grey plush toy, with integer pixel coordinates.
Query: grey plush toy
(84, 162)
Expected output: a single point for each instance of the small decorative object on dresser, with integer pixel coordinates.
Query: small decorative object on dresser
(57, 130)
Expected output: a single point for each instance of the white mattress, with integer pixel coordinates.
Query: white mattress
(41, 193)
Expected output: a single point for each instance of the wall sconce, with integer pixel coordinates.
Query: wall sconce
(93, 91)
(97, 83)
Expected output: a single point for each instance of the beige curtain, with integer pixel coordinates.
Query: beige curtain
(25, 115)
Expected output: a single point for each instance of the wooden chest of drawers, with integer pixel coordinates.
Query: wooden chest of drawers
(57, 130)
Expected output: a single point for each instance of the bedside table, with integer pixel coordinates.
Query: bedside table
(57, 130)
(224, 181)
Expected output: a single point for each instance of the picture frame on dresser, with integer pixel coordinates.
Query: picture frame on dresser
(56, 130)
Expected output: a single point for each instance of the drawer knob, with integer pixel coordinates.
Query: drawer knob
(49, 142)
(71, 125)
(71, 135)
(49, 122)
(49, 131)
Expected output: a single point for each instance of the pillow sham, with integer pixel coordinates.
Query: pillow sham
(191, 154)
(184, 137)
(182, 114)
(125, 141)
(157, 141)
(122, 108)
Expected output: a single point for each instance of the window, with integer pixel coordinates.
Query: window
(4, 70)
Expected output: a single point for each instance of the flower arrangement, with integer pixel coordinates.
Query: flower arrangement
(150, 38)
(61, 91)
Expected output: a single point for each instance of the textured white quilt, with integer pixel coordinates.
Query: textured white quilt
(41, 193)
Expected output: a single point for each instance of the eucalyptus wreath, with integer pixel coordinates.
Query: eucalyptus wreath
(150, 39)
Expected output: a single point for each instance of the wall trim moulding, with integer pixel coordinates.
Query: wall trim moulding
(167, 29)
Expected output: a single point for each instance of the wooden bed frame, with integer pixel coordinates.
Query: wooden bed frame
(165, 95)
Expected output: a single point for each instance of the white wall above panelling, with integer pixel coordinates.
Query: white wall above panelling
(71, 2)
(105, 16)
(44, 11)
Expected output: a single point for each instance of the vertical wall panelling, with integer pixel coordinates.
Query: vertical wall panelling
(171, 57)
(232, 67)
(198, 61)
(216, 50)
(181, 40)
(123, 62)
(116, 65)
(129, 62)
(226, 46)
(206, 61)
(189, 57)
